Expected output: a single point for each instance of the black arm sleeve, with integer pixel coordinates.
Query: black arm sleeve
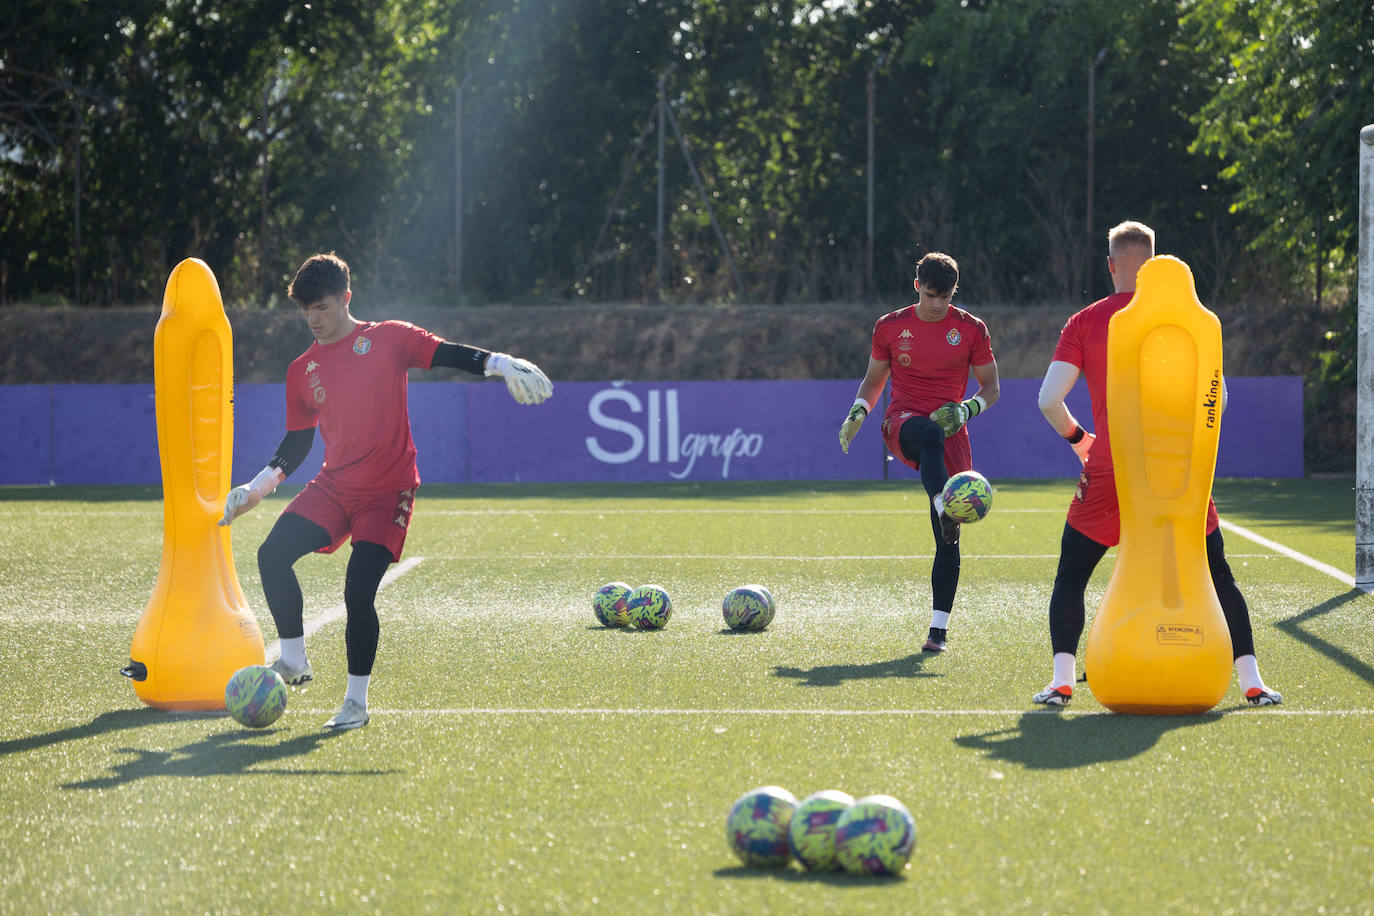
(294, 448)
(461, 356)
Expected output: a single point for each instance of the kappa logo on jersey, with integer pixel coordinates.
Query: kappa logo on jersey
(361, 346)
(403, 509)
(311, 366)
(906, 332)
(953, 337)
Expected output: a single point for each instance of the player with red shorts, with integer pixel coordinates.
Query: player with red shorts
(928, 350)
(351, 384)
(1094, 520)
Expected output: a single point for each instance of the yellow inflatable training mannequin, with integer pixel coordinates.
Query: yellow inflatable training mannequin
(1159, 643)
(197, 629)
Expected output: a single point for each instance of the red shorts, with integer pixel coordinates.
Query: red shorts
(1095, 513)
(958, 449)
(378, 518)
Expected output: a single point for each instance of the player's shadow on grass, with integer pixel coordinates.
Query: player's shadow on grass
(835, 675)
(234, 752)
(1293, 626)
(114, 721)
(1049, 741)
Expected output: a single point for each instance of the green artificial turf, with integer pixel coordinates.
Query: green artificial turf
(522, 758)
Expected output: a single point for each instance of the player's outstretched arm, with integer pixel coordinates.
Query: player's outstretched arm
(1059, 381)
(525, 381)
(294, 448)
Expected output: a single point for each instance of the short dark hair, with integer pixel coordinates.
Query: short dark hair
(938, 271)
(321, 275)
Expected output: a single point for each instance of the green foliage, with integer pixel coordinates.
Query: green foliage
(1285, 96)
(253, 134)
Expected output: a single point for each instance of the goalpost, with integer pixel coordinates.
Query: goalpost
(1364, 374)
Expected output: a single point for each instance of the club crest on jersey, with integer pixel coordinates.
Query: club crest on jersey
(361, 346)
(953, 337)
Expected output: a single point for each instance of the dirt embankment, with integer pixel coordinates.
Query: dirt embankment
(580, 343)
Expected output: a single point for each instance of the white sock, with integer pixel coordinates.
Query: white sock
(939, 620)
(1063, 669)
(293, 651)
(357, 688)
(1247, 671)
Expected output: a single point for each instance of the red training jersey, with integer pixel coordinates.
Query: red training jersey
(1083, 343)
(354, 390)
(929, 360)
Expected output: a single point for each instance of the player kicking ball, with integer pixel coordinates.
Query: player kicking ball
(929, 349)
(351, 385)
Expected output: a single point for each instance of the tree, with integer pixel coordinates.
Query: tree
(1285, 100)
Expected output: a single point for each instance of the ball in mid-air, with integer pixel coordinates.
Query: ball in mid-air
(749, 607)
(650, 607)
(611, 604)
(967, 496)
(757, 826)
(811, 836)
(255, 696)
(875, 836)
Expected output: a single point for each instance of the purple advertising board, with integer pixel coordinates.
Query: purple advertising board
(609, 431)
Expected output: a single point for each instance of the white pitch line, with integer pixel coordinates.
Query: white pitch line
(782, 558)
(1292, 554)
(609, 711)
(743, 510)
(313, 625)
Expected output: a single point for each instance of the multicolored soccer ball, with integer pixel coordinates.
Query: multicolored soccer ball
(649, 607)
(875, 836)
(967, 496)
(749, 607)
(757, 826)
(811, 837)
(255, 696)
(611, 604)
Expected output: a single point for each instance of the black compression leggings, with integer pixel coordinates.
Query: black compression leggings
(291, 538)
(923, 441)
(1079, 556)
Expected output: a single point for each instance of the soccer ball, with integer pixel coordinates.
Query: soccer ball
(255, 696)
(610, 605)
(749, 607)
(874, 836)
(757, 826)
(811, 837)
(967, 496)
(649, 607)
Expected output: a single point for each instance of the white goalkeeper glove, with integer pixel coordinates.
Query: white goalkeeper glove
(952, 415)
(1082, 444)
(850, 427)
(242, 499)
(524, 380)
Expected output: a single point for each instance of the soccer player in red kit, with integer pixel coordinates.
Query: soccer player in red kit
(351, 385)
(1094, 521)
(929, 349)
